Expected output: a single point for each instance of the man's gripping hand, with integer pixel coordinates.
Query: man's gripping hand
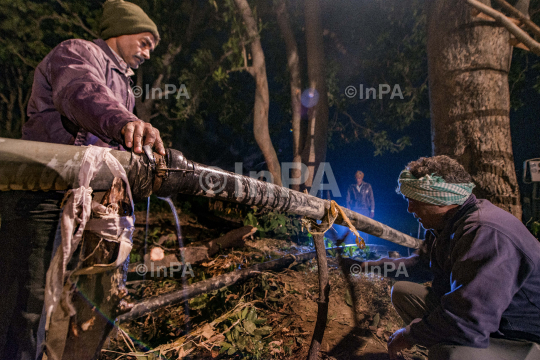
(139, 133)
(397, 343)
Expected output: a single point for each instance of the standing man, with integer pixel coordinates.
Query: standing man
(82, 90)
(360, 196)
(484, 301)
(81, 95)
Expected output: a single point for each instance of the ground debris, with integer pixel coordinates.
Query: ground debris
(271, 316)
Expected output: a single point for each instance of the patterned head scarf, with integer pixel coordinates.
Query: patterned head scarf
(432, 189)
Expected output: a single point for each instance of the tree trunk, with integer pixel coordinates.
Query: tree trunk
(293, 64)
(469, 59)
(314, 151)
(262, 97)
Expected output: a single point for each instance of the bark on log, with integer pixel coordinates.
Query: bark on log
(143, 307)
(322, 303)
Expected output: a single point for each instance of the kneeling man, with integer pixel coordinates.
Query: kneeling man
(484, 301)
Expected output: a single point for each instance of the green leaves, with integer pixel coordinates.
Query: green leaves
(246, 333)
(249, 326)
(274, 224)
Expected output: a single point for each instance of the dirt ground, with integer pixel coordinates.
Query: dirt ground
(281, 312)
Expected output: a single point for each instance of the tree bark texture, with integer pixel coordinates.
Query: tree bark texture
(469, 60)
(293, 65)
(262, 97)
(314, 151)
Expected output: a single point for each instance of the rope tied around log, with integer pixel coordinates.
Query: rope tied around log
(333, 213)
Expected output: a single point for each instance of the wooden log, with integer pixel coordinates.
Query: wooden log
(200, 251)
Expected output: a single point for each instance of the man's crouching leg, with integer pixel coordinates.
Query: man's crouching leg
(498, 349)
(412, 300)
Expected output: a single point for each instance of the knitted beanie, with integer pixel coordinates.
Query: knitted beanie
(124, 18)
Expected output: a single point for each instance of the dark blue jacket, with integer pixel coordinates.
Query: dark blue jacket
(486, 267)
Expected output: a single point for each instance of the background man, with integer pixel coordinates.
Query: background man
(484, 302)
(81, 95)
(360, 196)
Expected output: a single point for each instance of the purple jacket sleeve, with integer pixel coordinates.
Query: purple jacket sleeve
(487, 271)
(80, 92)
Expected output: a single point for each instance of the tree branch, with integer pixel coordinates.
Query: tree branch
(14, 51)
(521, 35)
(79, 21)
(520, 16)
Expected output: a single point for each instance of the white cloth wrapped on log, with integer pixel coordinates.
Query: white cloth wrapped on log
(107, 224)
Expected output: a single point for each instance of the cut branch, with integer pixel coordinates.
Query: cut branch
(205, 286)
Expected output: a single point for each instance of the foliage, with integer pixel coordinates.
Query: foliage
(274, 224)
(393, 52)
(351, 251)
(244, 333)
(523, 76)
(535, 228)
(28, 31)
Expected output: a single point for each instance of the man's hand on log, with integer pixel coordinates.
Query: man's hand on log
(139, 133)
(397, 343)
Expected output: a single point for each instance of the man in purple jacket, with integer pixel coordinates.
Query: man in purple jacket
(82, 96)
(82, 90)
(484, 301)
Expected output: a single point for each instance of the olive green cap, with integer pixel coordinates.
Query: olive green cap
(125, 18)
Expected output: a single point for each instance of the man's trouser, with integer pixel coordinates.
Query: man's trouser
(28, 223)
(413, 301)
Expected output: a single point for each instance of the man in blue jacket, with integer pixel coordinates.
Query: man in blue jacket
(484, 301)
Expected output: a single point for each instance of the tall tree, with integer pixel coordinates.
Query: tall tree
(262, 96)
(314, 150)
(469, 59)
(295, 79)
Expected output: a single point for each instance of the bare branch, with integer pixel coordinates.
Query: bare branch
(520, 16)
(79, 21)
(23, 59)
(521, 35)
(369, 132)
